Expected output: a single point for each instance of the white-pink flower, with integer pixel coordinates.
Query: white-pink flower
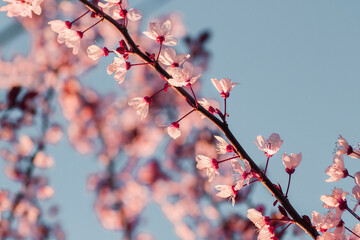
(335, 201)
(245, 173)
(94, 52)
(337, 170)
(203, 102)
(323, 223)
(345, 148)
(182, 76)
(118, 66)
(41, 160)
(355, 230)
(269, 146)
(73, 40)
(224, 86)
(209, 164)
(160, 32)
(168, 57)
(121, 10)
(23, 8)
(62, 28)
(222, 147)
(291, 162)
(257, 218)
(227, 191)
(141, 105)
(173, 130)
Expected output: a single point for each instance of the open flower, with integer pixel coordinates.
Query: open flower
(168, 57)
(291, 162)
(222, 147)
(337, 170)
(22, 8)
(173, 130)
(227, 191)
(245, 173)
(269, 146)
(160, 31)
(209, 164)
(118, 66)
(121, 10)
(224, 86)
(323, 223)
(336, 201)
(94, 52)
(141, 105)
(345, 148)
(203, 102)
(182, 76)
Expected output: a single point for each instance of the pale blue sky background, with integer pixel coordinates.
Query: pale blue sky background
(297, 63)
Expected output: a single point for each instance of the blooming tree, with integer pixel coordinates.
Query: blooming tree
(160, 101)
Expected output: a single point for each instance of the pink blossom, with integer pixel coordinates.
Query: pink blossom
(262, 223)
(224, 86)
(160, 31)
(357, 178)
(323, 223)
(227, 191)
(168, 57)
(22, 8)
(5, 203)
(41, 160)
(291, 161)
(182, 76)
(173, 130)
(337, 170)
(113, 6)
(269, 146)
(345, 148)
(336, 201)
(118, 66)
(45, 192)
(72, 40)
(245, 173)
(203, 102)
(209, 164)
(66, 34)
(94, 52)
(141, 105)
(222, 147)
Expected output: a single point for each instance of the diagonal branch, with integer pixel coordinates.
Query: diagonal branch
(298, 220)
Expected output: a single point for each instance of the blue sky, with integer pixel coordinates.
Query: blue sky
(297, 63)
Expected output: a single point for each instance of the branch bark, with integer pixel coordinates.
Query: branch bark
(298, 220)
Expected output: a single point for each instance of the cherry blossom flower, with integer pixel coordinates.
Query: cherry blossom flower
(245, 173)
(227, 191)
(23, 8)
(203, 102)
(173, 130)
(141, 105)
(291, 162)
(269, 146)
(209, 164)
(224, 86)
(336, 201)
(337, 170)
(160, 31)
(182, 76)
(5, 203)
(345, 148)
(323, 223)
(169, 58)
(257, 218)
(118, 66)
(222, 147)
(118, 10)
(66, 34)
(41, 160)
(94, 52)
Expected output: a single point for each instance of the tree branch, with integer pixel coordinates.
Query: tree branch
(298, 220)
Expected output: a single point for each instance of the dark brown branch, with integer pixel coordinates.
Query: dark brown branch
(307, 227)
